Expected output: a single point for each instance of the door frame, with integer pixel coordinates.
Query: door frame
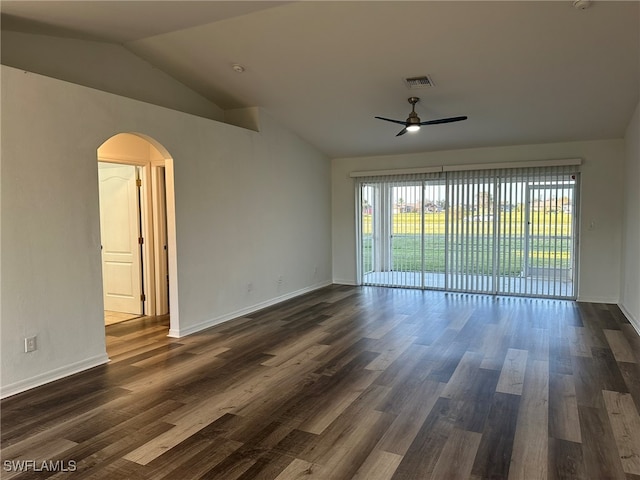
(160, 236)
(149, 271)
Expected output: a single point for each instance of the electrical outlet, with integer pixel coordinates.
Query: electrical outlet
(30, 344)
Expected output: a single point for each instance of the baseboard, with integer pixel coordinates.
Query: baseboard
(339, 281)
(632, 320)
(612, 300)
(48, 377)
(183, 332)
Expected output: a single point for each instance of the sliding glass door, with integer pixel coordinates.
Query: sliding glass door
(487, 231)
(403, 232)
(472, 224)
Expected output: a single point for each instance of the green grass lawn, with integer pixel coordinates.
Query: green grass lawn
(542, 223)
(473, 251)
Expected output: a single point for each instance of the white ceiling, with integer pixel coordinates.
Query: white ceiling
(523, 72)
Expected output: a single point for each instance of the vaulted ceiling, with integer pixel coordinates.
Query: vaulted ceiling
(523, 71)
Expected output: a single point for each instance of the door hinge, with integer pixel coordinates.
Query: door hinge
(143, 297)
(140, 240)
(138, 182)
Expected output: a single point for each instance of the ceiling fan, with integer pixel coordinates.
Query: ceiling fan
(413, 123)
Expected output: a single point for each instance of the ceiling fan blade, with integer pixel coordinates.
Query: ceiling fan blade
(443, 120)
(402, 132)
(399, 122)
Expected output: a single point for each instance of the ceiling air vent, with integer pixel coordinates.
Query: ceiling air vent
(422, 81)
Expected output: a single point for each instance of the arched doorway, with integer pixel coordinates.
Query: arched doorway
(137, 222)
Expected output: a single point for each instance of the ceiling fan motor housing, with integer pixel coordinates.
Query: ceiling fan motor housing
(413, 116)
(413, 119)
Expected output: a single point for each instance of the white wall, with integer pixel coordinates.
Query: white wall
(251, 208)
(601, 202)
(101, 65)
(630, 291)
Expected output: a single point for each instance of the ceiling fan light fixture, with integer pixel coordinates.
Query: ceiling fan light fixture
(413, 123)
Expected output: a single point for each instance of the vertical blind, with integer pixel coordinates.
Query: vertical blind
(504, 231)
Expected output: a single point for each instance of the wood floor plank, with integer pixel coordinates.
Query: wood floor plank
(384, 327)
(414, 361)
(512, 374)
(61, 430)
(198, 465)
(458, 454)
(298, 469)
(599, 449)
(296, 346)
(530, 445)
(619, 346)
(493, 459)
(467, 369)
(625, 424)
(41, 453)
(494, 346)
(411, 414)
(343, 396)
(379, 465)
(266, 467)
(560, 356)
(632, 337)
(389, 351)
(470, 408)
(185, 426)
(579, 342)
(566, 460)
(358, 429)
(350, 382)
(631, 374)
(352, 446)
(113, 450)
(564, 421)
(609, 370)
(421, 457)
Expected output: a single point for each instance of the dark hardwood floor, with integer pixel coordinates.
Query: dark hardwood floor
(348, 382)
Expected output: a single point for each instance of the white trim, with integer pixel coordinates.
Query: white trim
(358, 223)
(152, 280)
(124, 159)
(404, 171)
(170, 205)
(340, 281)
(148, 233)
(632, 320)
(472, 166)
(147, 268)
(53, 375)
(159, 227)
(498, 166)
(179, 333)
(610, 300)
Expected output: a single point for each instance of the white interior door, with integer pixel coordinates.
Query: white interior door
(120, 231)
